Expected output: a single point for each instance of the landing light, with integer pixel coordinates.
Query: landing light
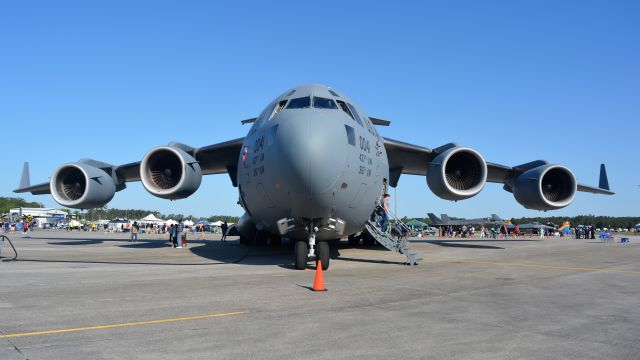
(285, 225)
(337, 225)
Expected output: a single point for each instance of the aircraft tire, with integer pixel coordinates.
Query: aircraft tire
(301, 255)
(323, 251)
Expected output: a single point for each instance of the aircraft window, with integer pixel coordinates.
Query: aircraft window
(324, 103)
(278, 108)
(355, 115)
(299, 103)
(334, 93)
(351, 135)
(345, 108)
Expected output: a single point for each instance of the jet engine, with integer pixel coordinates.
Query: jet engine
(456, 174)
(82, 186)
(169, 172)
(546, 187)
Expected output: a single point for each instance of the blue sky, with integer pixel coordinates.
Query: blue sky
(516, 80)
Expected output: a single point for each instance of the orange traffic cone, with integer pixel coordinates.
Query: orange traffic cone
(318, 284)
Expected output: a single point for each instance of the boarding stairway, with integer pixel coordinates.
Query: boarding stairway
(398, 245)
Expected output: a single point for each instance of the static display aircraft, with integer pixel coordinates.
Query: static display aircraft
(533, 228)
(444, 220)
(312, 168)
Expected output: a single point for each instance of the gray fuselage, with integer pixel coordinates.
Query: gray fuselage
(312, 155)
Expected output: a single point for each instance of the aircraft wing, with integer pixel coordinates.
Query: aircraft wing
(213, 159)
(38, 189)
(219, 158)
(505, 174)
(405, 158)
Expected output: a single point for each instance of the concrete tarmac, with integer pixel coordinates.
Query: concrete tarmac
(78, 295)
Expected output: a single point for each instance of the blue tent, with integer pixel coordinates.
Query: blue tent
(417, 223)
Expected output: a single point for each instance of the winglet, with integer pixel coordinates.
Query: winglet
(604, 181)
(25, 180)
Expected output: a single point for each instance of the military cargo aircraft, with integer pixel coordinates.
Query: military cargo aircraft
(312, 168)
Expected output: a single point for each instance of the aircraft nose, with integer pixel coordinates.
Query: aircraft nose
(313, 153)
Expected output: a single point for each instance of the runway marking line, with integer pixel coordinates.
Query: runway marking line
(541, 266)
(98, 327)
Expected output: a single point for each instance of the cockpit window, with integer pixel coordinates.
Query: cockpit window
(299, 103)
(278, 108)
(355, 114)
(323, 103)
(334, 93)
(290, 93)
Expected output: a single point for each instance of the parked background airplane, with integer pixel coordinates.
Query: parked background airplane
(533, 228)
(444, 220)
(312, 168)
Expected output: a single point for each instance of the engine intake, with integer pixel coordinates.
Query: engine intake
(170, 173)
(456, 174)
(82, 186)
(546, 187)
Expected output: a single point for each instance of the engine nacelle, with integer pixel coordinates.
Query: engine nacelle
(170, 173)
(456, 174)
(81, 186)
(546, 187)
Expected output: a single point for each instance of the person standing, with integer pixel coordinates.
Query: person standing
(134, 231)
(224, 227)
(173, 235)
(386, 206)
(179, 232)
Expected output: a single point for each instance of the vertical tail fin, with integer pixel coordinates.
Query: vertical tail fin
(604, 181)
(434, 218)
(444, 217)
(25, 180)
(495, 217)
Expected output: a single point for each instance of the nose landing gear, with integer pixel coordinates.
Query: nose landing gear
(303, 250)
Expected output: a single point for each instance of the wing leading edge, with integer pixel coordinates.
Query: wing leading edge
(405, 158)
(213, 159)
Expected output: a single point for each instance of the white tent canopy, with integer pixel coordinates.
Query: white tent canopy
(217, 223)
(170, 222)
(151, 219)
(188, 223)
